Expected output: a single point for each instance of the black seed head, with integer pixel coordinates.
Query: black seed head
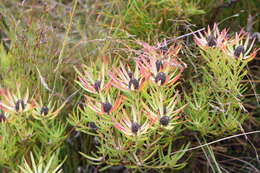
(164, 48)
(97, 85)
(133, 82)
(160, 77)
(130, 74)
(92, 126)
(44, 110)
(164, 120)
(19, 104)
(106, 107)
(2, 117)
(212, 41)
(159, 65)
(135, 127)
(238, 51)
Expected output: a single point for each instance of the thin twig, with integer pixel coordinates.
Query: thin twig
(182, 36)
(66, 35)
(219, 140)
(43, 82)
(253, 81)
(235, 158)
(64, 43)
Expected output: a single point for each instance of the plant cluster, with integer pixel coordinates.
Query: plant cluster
(135, 110)
(28, 124)
(215, 105)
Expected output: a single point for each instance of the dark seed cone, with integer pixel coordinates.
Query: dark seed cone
(135, 127)
(164, 120)
(238, 51)
(133, 82)
(19, 104)
(160, 77)
(106, 107)
(97, 85)
(164, 48)
(212, 41)
(44, 110)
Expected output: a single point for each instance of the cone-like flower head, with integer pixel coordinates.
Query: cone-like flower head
(161, 111)
(211, 38)
(93, 81)
(130, 124)
(15, 102)
(126, 80)
(240, 47)
(46, 111)
(106, 105)
(160, 68)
